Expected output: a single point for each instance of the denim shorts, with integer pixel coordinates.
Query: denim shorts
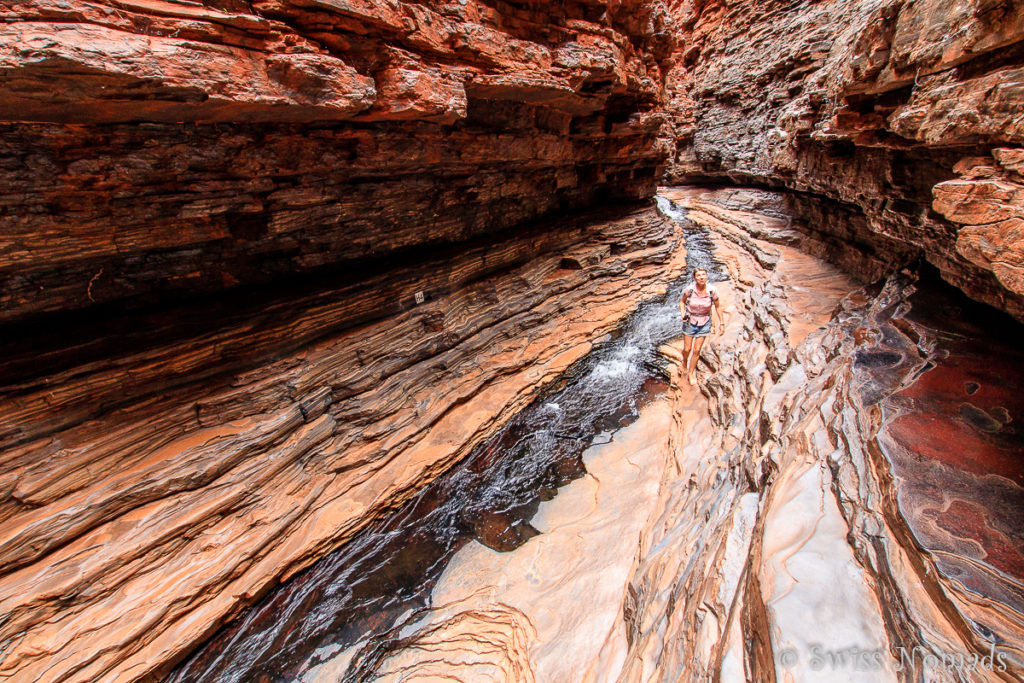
(697, 331)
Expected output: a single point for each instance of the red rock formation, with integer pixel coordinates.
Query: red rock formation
(875, 106)
(152, 492)
(315, 133)
(274, 60)
(229, 210)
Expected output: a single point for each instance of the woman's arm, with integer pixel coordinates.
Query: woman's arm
(716, 315)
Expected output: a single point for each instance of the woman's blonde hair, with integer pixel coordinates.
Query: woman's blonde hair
(699, 270)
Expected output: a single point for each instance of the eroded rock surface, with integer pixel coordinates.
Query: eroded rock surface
(150, 496)
(156, 149)
(806, 531)
(906, 114)
(303, 255)
(323, 132)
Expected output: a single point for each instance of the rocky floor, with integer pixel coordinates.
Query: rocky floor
(790, 519)
(838, 499)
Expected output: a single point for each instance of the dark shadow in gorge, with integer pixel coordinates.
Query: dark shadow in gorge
(31, 350)
(384, 576)
(220, 335)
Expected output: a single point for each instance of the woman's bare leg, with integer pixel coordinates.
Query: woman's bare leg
(687, 350)
(691, 359)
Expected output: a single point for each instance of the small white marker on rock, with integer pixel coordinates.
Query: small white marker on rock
(418, 296)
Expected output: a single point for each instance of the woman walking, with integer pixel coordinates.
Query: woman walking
(697, 307)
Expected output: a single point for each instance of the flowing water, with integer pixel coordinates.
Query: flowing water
(358, 597)
(699, 247)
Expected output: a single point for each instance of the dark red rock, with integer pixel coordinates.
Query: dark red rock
(952, 439)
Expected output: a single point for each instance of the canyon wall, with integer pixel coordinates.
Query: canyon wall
(269, 267)
(898, 124)
(163, 149)
(156, 150)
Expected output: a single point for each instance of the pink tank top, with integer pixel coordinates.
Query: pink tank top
(698, 307)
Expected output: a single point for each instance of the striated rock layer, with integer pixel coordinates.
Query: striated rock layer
(157, 148)
(907, 115)
(160, 149)
(151, 494)
(304, 255)
(843, 554)
(809, 530)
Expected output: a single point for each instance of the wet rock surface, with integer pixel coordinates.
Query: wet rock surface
(152, 495)
(957, 462)
(356, 600)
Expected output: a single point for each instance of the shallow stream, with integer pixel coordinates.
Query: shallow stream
(359, 596)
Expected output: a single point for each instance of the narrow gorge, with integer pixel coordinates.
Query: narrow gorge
(342, 341)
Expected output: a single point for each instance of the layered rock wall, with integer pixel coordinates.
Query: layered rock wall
(907, 114)
(157, 150)
(263, 439)
(302, 255)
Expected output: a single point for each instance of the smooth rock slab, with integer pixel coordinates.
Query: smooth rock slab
(567, 584)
